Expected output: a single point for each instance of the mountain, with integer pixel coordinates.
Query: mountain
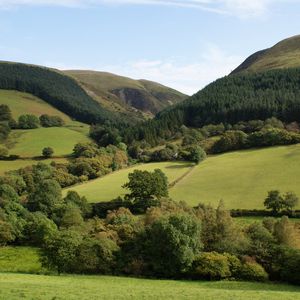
(139, 98)
(55, 88)
(266, 85)
(285, 54)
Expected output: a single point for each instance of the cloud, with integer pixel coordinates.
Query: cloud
(185, 77)
(239, 8)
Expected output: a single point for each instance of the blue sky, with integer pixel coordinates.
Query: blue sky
(181, 43)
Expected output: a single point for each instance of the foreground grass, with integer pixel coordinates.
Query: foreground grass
(18, 286)
(242, 179)
(110, 186)
(30, 143)
(20, 260)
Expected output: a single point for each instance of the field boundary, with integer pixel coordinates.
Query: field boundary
(173, 183)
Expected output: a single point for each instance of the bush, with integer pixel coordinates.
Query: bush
(28, 122)
(47, 152)
(231, 140)
(290, 265)
(211, 266)
(51, 121)
(253, 271)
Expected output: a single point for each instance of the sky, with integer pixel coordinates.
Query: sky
(184, 44)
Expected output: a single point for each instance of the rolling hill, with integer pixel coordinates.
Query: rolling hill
(242, 178)
(244, 95)
(28, 144)
(55, 88)
(139, 98)
(285, 54)
(110, 186)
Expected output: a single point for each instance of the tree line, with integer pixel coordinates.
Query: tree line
(232, 99)
(171, 240)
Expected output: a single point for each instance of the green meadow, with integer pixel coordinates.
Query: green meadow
(23, 103)
(39, 287)
(25, 260)
(110, 186)
(20, 260)
(30, 143)
(242, 179)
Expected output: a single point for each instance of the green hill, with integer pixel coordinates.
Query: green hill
(110, 186)
(285, 54)
(24, 103)
(134, 97)
(55, 88)
(242, 179)
(244, 95)
(30, 143)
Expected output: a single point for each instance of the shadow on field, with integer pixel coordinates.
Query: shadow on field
(179, 166)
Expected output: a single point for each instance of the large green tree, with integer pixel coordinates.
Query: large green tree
(171, 244)
(46, 198)
(144, 185)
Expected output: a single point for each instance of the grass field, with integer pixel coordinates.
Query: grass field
(17, 164)
(110, 186)
(242, 179)
(30, 143)
(23, 103)
(39, 287)
(20, 260)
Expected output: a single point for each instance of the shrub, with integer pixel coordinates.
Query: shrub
(211, 266)
(47, 152)
(253, 271)
(51, 121)
(28, 122)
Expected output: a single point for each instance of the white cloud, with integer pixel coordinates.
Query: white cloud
(185, 77)
(239, 8)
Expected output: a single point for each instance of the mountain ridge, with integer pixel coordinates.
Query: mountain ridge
(284, 54)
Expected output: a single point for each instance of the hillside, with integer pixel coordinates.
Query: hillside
(110, 186)
(55, 88)
(242, 178)
(241, 96)
(285, 54)
(134, 97)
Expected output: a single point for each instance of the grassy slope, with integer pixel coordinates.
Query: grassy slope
(243, 178)
(110, 186)
(100, 85)
(17, 164)
(21, 103)
(30, 143)
(285, 54)
(17, 286)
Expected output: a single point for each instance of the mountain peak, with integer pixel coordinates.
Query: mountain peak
(285, 54)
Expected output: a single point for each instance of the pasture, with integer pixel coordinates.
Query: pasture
(20, 260)
(40, 287)
(30, 143)
(242, 178)
(110, 186)
(23, 103)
